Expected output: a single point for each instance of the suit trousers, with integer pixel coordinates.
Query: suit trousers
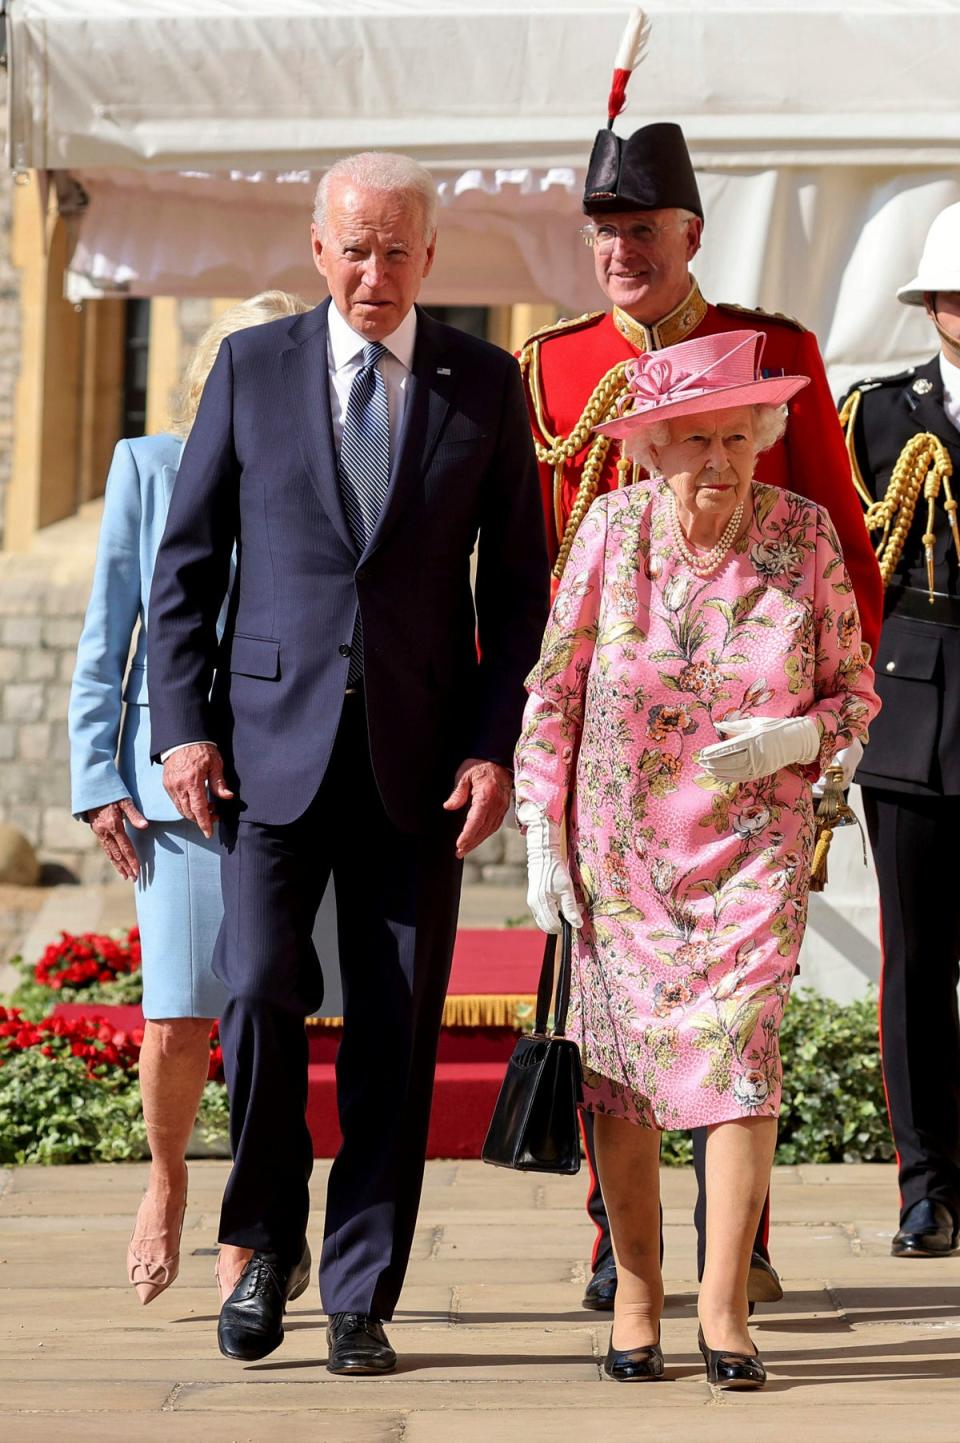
(914, 842)
(597, 1212)
(397, 900)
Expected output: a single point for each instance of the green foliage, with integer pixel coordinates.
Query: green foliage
(213, 1117)
(52, 1111)
(833, 1107)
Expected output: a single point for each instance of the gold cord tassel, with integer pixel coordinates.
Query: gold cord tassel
(818, 869)
(923, 465)
(832, 812)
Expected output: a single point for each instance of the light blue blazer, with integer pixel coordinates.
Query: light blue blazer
(110, 746)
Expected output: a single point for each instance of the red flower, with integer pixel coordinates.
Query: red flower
(80, 961)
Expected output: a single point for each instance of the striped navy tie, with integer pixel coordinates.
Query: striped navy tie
(364, 468)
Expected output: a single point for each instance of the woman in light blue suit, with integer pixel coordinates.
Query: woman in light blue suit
(115, 788)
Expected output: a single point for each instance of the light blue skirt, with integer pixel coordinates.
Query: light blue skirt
(179, 909)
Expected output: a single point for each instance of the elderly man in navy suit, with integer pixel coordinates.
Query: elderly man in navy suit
(354, 456)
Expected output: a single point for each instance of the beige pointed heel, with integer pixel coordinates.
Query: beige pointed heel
(150, 1279)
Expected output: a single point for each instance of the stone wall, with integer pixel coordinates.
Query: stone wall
(9, 313)
(501, 860)
(40, 624)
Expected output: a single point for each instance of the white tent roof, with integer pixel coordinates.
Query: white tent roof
(824, 134)
(271, 84)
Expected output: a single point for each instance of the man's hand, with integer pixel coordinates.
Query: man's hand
(106, 823)
(193, 776)
(486, 786)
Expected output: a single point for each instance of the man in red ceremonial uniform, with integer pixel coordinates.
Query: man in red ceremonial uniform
(645, 221)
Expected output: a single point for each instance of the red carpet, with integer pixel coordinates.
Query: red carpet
(494, 977)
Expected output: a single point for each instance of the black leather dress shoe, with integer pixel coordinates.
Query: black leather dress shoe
(927, 1230)
(763, 1281)
(358, 1344)
(633, 1365)
(602, 1288)
(251, 1320)
(732, 1370)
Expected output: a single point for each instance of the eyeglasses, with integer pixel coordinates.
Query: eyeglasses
(639, 236)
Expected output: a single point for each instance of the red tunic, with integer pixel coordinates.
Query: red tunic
(563, 365)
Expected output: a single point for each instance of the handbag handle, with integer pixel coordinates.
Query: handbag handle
(545, 985)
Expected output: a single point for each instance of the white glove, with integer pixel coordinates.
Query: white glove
(760, 746)
(847, 759)
(549, 890)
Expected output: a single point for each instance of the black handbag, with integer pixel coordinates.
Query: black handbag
(534, 1124)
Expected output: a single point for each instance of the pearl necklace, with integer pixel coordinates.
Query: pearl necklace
(703, 563)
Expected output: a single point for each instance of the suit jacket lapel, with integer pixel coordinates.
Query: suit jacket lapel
(428, 399)
(306, 372)
(928, 412)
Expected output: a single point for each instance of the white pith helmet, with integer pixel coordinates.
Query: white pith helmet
(940, 262)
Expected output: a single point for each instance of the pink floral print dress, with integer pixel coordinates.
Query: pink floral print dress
(694, 893)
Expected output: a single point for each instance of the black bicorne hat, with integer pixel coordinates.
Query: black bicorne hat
(649, 170)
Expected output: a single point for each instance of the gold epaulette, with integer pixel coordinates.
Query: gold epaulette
(561, 327)
(764, 315)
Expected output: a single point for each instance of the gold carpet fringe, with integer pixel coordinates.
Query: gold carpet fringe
(469, 1011)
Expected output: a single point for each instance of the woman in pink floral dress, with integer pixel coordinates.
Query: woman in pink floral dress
(702, 665)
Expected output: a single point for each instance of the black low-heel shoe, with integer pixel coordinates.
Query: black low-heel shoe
(633, 1365)
(732, 1370)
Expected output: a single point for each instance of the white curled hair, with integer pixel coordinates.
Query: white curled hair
(380, 170)
(769, 424)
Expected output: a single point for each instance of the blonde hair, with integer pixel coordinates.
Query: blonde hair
(769, 424)
(267, 306)
(380, 170)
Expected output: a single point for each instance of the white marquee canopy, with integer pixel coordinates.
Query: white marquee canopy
(824, 133)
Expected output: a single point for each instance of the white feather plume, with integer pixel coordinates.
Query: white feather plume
(634, 41)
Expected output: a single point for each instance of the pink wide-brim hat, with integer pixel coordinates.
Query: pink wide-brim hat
(709, 373)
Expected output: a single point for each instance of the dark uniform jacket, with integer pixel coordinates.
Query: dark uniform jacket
(915, 741)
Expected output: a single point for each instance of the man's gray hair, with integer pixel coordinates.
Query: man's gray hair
(380, 170)
(769, 424)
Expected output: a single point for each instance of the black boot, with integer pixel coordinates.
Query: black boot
(928, 1229)
(602, 1288)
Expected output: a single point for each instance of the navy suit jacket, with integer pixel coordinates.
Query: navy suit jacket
(259, 471)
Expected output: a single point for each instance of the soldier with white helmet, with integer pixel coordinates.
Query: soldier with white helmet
(903, 439)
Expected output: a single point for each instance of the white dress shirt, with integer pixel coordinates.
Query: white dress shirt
(344, 356)
(950, 375)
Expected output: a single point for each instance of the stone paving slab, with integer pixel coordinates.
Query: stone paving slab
(494, 1345)
(173, 1427)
